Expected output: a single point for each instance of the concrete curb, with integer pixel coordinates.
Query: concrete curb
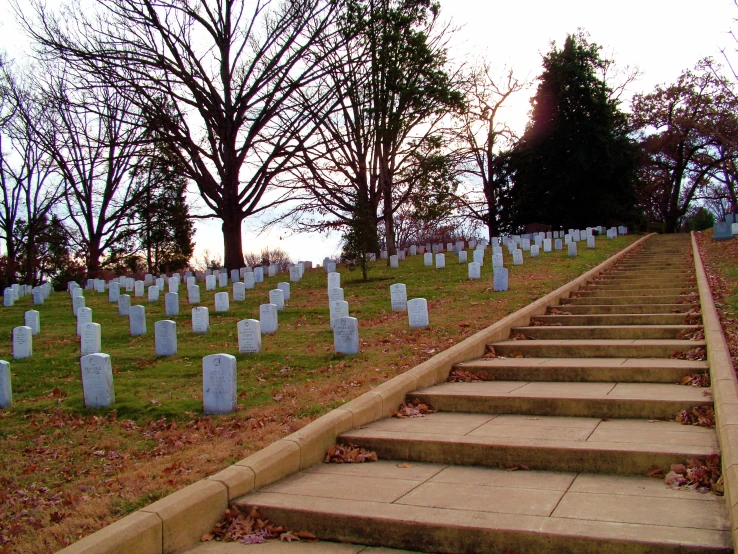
(179, 520)
(724, 390)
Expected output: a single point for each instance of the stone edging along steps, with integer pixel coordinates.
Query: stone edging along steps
(724, 390)
(177, 521)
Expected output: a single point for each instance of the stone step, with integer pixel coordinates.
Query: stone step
(607, 331)
(627, 308)
(587, 444)
(603, 285)
(622, 300)
(596, 399)
(461, 510)
(618, 370)
(637, 281)
(611, 319)
(675, 291)
(595, 348)
(644, 272)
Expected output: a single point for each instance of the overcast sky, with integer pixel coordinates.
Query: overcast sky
(661, 37)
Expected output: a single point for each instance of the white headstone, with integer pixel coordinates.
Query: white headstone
(32, 319)
(193, 294)
(6, 390)
(97, 380)
(137, 320)
(38, 295)
(475, 271)
(500, 279)
(417, 313)
(268, 319)
(124, 304)
(210, 282)
(413, 250)
(153, 293)
(394, 261)
(173, 284)
(440, 261)
(259, 274)
(219, 384)
(478, 256)
(339, 308)
(138, 288)
(572, 249)
(130, 284)
(547, 245)
(525, 244)
(558, 245)
(334, 294)
(159, 282)
(533, 250)
(295, 273)
(334, 280)
(200, 319)
(428, 259)
(22, 342)
(346, 335)
(223, 280)
(497, 260)
(462, 256)
(90, 338)
(286, 290)
(248, 280)
(77, 303)
(398, 297)
(249, 336)
(165, 337)
(221, 302)
(235, 277)
(330, 266)
(84, 315)
(734, 228)
(517, 257)
(276, 297)
(113, 291)
(590, 241)
(171, 304)
(239, 291)
(100, 285)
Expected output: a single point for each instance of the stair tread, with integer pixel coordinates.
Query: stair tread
(651, 392)
(608, 342)
(569, 434)
(697, 365)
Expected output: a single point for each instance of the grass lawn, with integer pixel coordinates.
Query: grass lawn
(66, 471)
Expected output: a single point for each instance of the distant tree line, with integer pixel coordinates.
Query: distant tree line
(326, 115)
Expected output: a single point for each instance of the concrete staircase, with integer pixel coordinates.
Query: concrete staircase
(549, 452)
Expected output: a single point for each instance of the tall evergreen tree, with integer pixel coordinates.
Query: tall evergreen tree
(575, 165)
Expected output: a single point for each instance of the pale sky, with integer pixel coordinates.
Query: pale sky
(661, 37)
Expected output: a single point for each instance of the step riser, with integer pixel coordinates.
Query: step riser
(628, 309)
(454, 539)
(530, 349)
(615, 319)
(592, 293)
(581, 332)
(542, 457)
(584, 375)
(622, 300)
(617, 408)
(606, 285)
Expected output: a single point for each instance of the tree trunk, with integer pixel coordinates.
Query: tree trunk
(93, 258)
(232, 241)
(12, 266)
(389, 221)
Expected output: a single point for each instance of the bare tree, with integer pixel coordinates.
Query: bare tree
(96, 138)
(30, 185)
(392, 90)
(219, 78)
(481, 137)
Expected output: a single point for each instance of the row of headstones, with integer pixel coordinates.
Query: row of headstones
(16, 292)
(212, 278)
(218, 382)
(725, 230)
(457, 247)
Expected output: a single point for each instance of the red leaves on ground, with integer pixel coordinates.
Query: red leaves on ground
(655, 471)
(693, 317)
(462, 376)
(696, 380)
(518, 336)
(556, 311)
(702, 476)
(348, 454)
(695, 354)
(702, 416)
(414, 408)
(251, 528)
(687, 334)
(489, 352)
